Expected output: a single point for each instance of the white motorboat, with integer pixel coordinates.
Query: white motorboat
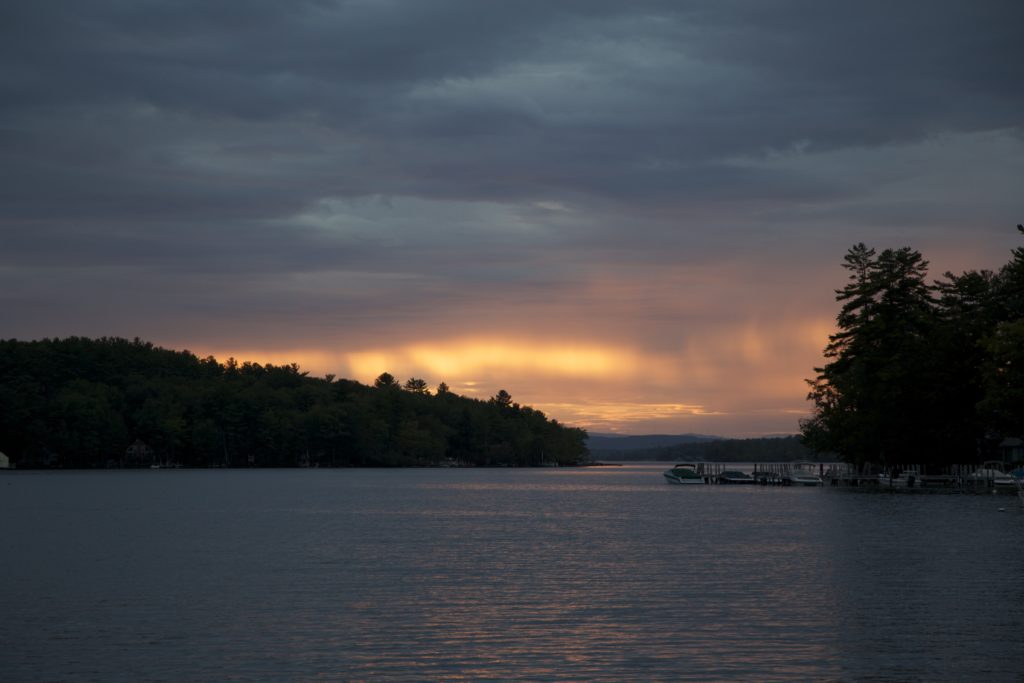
(803, 474)
(991, 473)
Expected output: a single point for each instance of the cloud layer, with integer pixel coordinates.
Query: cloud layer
(667, 185)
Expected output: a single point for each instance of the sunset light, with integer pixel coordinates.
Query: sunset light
(642, 227)
(598, 387)
(473, 358)
(450, 340)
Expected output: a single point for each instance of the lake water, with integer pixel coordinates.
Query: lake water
(594, 574)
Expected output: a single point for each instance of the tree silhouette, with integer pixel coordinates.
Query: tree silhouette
(84, 403)
(385, 380)
(416, 386)
(502, 398)
(869, 399)
(920, 373)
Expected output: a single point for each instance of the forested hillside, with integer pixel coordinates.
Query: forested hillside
(79, 402)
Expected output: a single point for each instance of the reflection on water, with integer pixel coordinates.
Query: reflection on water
(548, 574)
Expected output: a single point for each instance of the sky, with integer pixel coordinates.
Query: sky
(629, 215)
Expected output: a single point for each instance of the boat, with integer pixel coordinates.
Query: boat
(803, 474)
(906, 479)
(768, 478)
(735, 477)
(684, 473)
(991, 472)
(839, 472)
(1018, 478)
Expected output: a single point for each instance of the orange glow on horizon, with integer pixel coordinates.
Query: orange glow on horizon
(471, 358)
(719, 374)
(614, 416)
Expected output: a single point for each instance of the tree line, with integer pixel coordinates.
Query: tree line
(111, 402)
(920, 372)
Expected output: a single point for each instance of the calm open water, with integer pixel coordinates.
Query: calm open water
(596, 574)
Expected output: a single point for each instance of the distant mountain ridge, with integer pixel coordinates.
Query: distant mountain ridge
(619, 442)
(695, 448)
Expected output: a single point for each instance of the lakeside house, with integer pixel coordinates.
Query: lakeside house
(5, 462)
(1011, 450)
(138, 455)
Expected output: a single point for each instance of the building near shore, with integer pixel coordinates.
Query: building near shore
(1012, 450)
(139, 455)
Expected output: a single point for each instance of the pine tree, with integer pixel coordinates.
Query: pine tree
(870, 399)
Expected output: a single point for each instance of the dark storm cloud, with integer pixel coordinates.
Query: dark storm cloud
(624, 83)
(210, 136)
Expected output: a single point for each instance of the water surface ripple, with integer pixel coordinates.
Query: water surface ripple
(597, 574)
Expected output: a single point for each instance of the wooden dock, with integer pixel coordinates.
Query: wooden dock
(910, 478)
(959, 478)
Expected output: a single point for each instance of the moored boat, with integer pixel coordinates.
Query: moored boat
(684, 473)
(735, 477)
(904, 480)
(768, 478)
(802, 474)
(992, 474)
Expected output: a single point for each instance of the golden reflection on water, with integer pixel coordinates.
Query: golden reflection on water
(501, 575)
(526, 586)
